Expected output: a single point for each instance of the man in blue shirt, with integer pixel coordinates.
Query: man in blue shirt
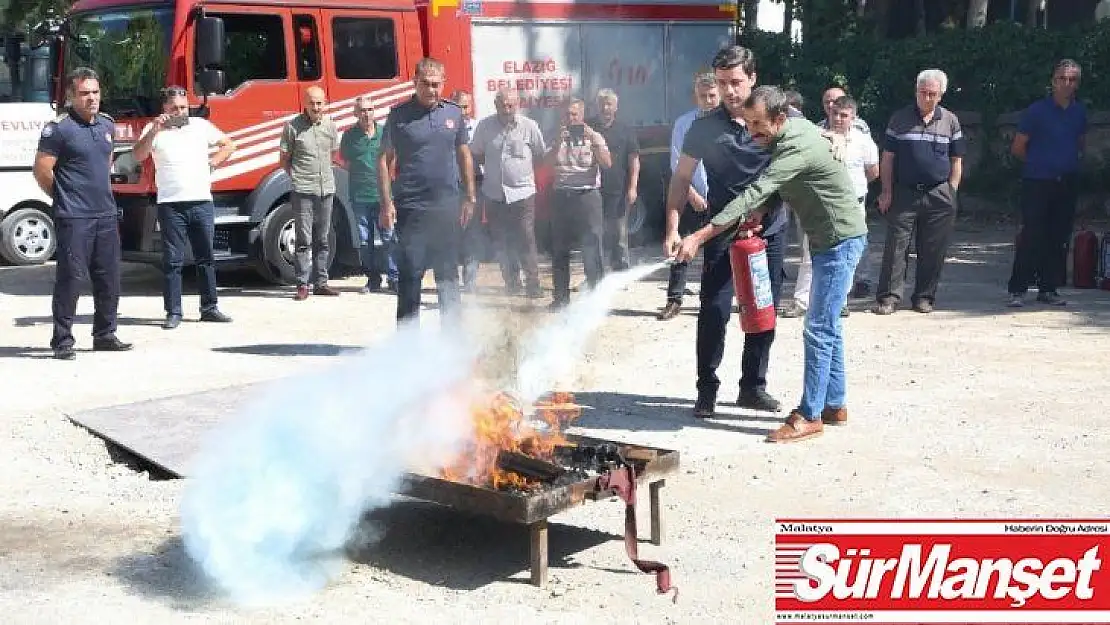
(1050, 139)
(73, 166)
(733, 160)
(426, 138)
(706, 98)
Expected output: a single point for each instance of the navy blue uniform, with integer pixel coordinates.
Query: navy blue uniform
(426, 195)
(85, 216)
(732, 161)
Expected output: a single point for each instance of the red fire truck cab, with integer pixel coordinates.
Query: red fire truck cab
(246, 64)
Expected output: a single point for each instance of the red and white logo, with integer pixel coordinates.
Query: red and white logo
(972, 572)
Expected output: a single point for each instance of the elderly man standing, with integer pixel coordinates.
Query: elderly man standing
(1050, 139)
(426, 140)
(183, 168)
(308, 145)
(619, 182)
(920, 169)
(360, 147)
(579, 153)
(508, 145)
(804, 170)
(706, 98)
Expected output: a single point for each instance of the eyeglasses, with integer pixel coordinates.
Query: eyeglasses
(173, 92)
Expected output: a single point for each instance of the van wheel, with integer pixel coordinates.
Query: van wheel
(27, 237)
(278, 237)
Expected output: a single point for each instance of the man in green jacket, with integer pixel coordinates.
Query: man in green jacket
(804, 171)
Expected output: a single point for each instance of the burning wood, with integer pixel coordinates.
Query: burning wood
(513, 447)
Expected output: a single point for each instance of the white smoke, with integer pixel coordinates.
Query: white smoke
(275, 495)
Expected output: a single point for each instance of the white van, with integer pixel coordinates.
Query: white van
(27, 235)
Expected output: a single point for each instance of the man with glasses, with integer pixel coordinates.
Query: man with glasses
(183, 168)
(308, 145)
(360, 148)
(425, 138)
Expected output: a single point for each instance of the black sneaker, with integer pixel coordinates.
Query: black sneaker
(65, 352)
(215, 316)
(758, 400)
(171, 322)
(1051, 298)
(705, 407)
(110, 344)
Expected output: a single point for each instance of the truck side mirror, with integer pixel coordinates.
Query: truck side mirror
(212, 81)
(211, 43)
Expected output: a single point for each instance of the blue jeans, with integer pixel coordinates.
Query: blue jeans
(823, 338)
(375, 259)
(192, 224)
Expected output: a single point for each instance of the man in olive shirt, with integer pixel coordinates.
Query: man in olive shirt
(805, 173)
(307, 145)
(360, 148)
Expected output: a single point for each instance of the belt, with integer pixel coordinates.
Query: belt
(926, 186)
(573, 190)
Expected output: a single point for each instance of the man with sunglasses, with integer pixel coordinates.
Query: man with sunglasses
(180, 146)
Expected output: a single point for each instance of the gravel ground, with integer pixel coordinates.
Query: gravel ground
(974, 411)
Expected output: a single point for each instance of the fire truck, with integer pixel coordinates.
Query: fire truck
(246, 64)
(26, 228)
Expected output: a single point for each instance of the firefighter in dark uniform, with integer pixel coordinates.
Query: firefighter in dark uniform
(426, 140)
(73, 166)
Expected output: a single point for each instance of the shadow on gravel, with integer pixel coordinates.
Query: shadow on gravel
(439, 546)
(290, 349)
(168, 575)
(644, 413)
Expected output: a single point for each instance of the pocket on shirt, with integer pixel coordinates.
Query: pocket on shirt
(516, 148)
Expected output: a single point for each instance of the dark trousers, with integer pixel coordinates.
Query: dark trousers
(933, 213)
(193, 224)
(476, 247)
(717, 292)
(614, 243)
(576, 218)
(312, 223)
(1047, 216)
(428, 238)
(513, 227)
(688, 222)
(88, 249)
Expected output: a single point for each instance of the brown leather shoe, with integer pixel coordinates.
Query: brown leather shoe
(796, 428)
(302, 294)
(325, 290)
(670, 311)
(834, 416)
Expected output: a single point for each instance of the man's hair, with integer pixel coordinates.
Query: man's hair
(1066, 64)
(573, 101)
(607, 94)
(429, 65)
(457, 95)
(171, 92)
(369, 103)
(933, 75)
(735, 56)
(834, 86)
(78, 74)
(503, 93)
(794, 98)
(771, 97)
(845, 102)
(704, 80)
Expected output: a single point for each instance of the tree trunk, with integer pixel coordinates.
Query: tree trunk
(787, 16)
(919, 17)
(977, 14)
(1031, 10)
(861, 8)
(880, 11)
(751, 14)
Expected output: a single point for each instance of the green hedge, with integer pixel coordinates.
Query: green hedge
(994, 70)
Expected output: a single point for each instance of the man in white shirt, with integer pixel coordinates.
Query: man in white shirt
(183, 163)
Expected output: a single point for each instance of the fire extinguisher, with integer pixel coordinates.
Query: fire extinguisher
(1104, 261)
(1085, 259)
(752, 280)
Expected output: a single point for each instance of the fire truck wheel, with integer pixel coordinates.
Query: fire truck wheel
(27, 237)
(279, 246)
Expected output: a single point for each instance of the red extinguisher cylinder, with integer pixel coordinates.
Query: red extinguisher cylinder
(752, 279)
(1085, 252)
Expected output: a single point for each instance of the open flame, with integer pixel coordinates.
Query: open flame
(502, 424)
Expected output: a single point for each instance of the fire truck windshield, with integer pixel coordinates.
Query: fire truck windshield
(130, 49)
